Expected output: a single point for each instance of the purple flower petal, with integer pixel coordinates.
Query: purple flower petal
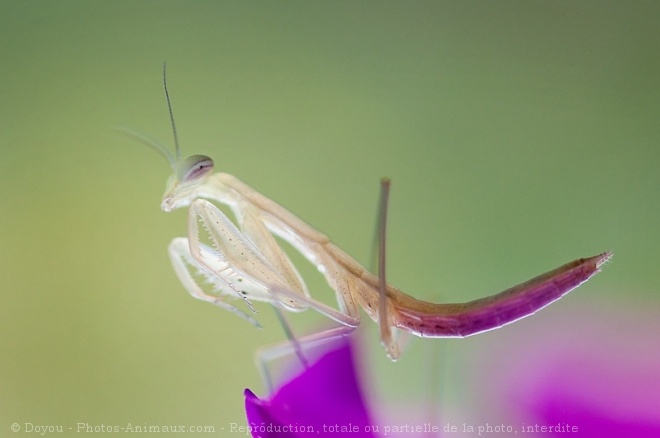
(325, 400)
(597, 373)
(592, 422)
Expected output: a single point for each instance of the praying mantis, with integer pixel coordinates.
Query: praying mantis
(244, 260)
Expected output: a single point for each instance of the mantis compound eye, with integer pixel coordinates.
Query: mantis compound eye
(195, 167)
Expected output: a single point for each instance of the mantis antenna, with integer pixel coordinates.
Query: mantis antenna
(169, 107)
(154, 144)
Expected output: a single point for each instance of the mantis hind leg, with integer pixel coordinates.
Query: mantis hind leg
(386, 328)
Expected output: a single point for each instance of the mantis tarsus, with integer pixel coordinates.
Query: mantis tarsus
(249, 263)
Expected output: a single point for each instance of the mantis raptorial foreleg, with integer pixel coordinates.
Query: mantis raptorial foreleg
(247, 264)
(253, 227)
(182, 261)
(239, 262)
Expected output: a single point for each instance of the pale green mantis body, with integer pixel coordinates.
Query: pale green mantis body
(247, 262)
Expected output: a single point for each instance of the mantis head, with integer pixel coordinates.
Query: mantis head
(189, 174)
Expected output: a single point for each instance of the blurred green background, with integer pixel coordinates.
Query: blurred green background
(519, 136)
